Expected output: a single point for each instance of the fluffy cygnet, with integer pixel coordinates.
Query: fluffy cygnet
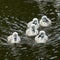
(45, 21)
(32, 31)
(35, 22)
(41, 37)
(14, 38)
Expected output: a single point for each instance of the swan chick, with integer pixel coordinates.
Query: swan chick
(35, 22)
(32, 31)
(41, 37)
(45, 21)
(14, 38)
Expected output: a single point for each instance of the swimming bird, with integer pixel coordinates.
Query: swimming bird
(32, 31)
(41, 37)
(45, 21)
(35, 22)
(14, 38)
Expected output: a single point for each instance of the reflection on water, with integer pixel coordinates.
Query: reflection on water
(14, 15)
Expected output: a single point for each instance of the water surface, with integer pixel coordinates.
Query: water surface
(14, 16)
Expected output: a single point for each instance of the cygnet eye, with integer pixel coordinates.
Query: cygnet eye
(45, 20)
(35, 22)
(42, 33)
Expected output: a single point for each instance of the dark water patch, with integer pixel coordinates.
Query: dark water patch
(19, 8)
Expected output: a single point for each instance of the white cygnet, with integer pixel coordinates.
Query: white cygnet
(41, 37)
(32, 31)
(35, 22)
(45, 21)
(14, 38)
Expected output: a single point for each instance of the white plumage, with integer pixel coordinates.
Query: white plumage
(45, 21)
(14, 38)
(41, 37)
(35, 22)
(32, 31)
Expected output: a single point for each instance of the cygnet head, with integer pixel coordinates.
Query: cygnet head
(41, 34)
(44, 18)
(15, 34)
(35, 21)
(33, 27)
